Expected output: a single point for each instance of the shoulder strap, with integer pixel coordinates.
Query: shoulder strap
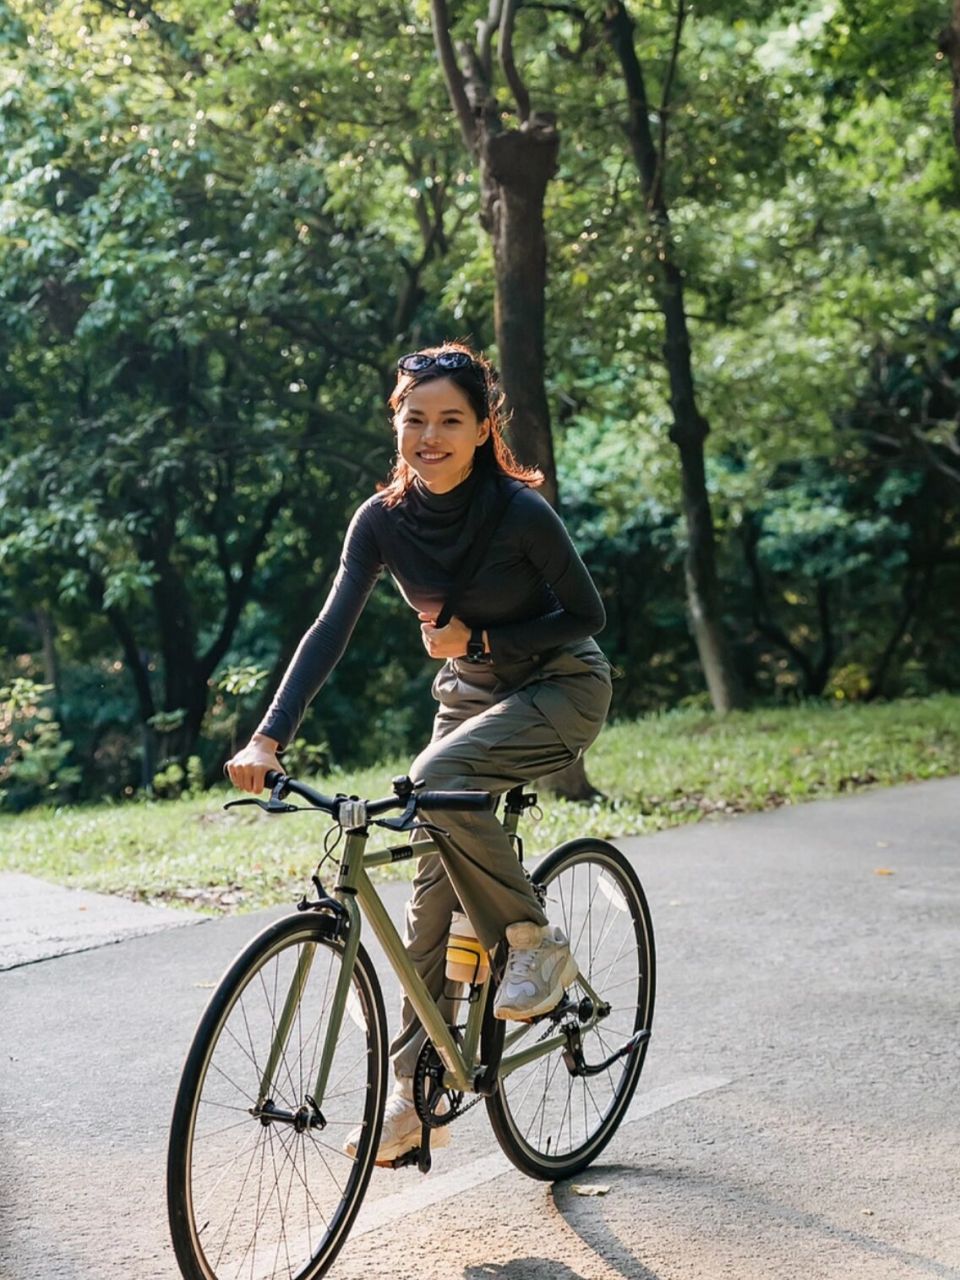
(471, 562)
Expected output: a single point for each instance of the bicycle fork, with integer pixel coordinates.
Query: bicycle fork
(309, 1113)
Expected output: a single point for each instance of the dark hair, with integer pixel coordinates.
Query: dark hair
(479, 383)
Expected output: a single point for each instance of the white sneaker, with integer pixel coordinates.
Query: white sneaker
(401, 1127)
(539, 969)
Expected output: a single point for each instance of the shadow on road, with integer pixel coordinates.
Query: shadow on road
(522, 1269)
(602, 1242)
(619, 1257)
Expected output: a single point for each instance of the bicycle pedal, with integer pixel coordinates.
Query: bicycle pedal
(411, 1157)
(564, 1006)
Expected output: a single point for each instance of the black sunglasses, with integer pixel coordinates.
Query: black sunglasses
(417, 361)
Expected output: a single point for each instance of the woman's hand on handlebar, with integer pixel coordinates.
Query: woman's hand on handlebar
(248, 768)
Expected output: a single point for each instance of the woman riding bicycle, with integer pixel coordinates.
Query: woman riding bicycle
(523, 690)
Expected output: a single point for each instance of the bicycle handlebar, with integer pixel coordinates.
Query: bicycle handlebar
(459, 800)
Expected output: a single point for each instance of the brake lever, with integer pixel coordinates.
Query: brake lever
(269, 806)
(405, 823)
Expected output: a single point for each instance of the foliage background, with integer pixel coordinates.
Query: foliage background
(220, 225)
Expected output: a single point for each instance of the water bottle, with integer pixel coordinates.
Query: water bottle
(467, 959)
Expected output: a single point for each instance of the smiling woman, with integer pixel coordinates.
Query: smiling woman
(457, 387)
(438, 434)
(523, 689)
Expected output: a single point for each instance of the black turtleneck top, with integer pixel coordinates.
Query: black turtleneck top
(531, 592)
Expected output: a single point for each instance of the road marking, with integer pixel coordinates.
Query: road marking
(645, 1104)
(428, 1191)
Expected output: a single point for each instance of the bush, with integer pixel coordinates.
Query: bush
(34, 755)
(173, 780)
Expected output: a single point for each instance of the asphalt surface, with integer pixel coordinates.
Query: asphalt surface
(39, 921)
(797, 1117)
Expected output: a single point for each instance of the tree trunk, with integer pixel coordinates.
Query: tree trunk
(700, 572)
(950, 48)
(690, 428)
(51, 659)
(516, 168)
(916, 588)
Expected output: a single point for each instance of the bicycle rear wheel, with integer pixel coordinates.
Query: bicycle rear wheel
(549, 1119)
(258, 1187)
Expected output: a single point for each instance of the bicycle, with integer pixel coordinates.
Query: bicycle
(290, 1054)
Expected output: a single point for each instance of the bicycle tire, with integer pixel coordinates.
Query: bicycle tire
(259, 1198)
(550, 1122)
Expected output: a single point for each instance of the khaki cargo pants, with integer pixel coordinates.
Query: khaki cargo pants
(495, 727)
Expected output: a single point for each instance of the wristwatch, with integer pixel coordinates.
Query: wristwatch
(475, 650)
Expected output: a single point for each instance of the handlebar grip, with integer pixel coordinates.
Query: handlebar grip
(454, 800)
(272, 777)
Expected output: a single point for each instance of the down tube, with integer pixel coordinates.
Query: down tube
(425, 1006)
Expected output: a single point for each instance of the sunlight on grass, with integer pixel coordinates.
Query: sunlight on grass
(661, 771)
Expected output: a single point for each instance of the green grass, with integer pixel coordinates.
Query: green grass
(682, 766)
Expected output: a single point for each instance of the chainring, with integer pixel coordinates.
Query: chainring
(429, 1093)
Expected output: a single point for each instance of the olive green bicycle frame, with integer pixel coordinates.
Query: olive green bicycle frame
(355, 892)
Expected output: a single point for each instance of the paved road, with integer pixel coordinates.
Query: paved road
(798, 1116)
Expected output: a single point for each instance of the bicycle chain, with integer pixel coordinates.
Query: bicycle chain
(428, 1067)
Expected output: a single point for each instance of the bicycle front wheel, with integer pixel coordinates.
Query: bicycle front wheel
(259, 1185)
(554, 1115)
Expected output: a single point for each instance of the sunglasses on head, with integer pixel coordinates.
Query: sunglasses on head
(417, 361)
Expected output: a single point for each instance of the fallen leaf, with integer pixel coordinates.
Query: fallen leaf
(883, 871)
(589, 1189)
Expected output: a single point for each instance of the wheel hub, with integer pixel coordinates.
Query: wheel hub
(306, 1116)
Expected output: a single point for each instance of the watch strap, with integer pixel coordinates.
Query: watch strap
(475, 650)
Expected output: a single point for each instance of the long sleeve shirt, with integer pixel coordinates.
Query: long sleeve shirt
(531, 593)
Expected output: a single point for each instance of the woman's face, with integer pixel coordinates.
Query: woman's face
(438, 433)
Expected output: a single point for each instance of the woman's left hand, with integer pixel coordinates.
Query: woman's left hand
(449, 642)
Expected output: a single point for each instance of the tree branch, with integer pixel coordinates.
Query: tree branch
(131, 650)
(485, 30)
(456, 88)
(238, 589)
(914, 594)
(762, 614)
(170, 33)
(665, 102)
(508, 20)
(619, 26)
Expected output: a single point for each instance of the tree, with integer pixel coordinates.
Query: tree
(950, 49)
(690, 427)
(515, 167)
(179, 310)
